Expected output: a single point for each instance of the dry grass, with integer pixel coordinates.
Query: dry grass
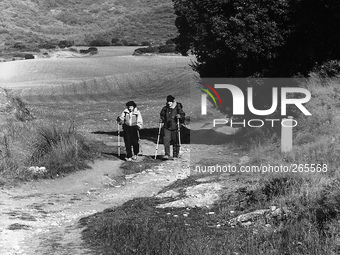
(58, 148)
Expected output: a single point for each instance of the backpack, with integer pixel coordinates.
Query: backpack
(179, 105)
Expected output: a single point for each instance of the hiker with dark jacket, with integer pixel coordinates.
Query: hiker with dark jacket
(132, 121)
(170, 115)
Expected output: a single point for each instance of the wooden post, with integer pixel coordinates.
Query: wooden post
(287, 134)
(204, 104)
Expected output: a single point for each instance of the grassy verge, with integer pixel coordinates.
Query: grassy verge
(311, 197)
(138, 227)
(31, 150)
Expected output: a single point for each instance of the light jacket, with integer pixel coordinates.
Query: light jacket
(131, 119)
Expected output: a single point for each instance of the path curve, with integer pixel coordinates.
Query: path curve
(42, 217)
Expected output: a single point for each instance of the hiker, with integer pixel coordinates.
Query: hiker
(170, 114)
(132, 121)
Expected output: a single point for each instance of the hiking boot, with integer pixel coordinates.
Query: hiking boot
(167, 157)
(176, 151)
(128, 159)
(134, 157)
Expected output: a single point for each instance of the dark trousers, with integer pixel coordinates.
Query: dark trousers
(171, 137)
(131, 140)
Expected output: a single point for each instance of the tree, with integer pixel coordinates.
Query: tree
(314, 37)
(231, 38)
(238, 38)
(114, 40)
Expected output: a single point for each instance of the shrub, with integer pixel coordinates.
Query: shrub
(328, 69)
(29, 56)
(19, 55)
(149, 49)
(146, 43)
(168, 48)
(21, 112)
(65, 43)
(73, 49)
(47, 45)
(124, 42)
(133, 44)
(99, 42)
(93, 50)
(170, 41)
(19, 45)
(60, 149)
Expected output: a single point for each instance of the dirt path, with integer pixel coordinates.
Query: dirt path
(42, 217)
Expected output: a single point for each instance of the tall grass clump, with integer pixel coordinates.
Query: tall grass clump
(60, 149)
(15, 143)
(316, 138)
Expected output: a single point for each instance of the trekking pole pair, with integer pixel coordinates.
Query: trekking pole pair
(159, 134)
(118, 139)
(139, 144)
(179, 137)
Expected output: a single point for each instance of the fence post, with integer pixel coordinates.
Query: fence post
(287, 134)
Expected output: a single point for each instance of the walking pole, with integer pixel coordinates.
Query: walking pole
(179, 135)
(118, 140)
(159, 134)
(140, 146)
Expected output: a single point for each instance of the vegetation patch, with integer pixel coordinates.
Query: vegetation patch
(47, 25)
(60, 149)
(167, 48)
(28, 146)
(18, 226)
(139, 227)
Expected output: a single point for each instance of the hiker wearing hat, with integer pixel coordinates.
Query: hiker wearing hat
(132, 121)
(171, 115)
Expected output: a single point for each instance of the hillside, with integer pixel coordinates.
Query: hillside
(37, 22)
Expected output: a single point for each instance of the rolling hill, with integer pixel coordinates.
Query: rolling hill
(36, 22)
